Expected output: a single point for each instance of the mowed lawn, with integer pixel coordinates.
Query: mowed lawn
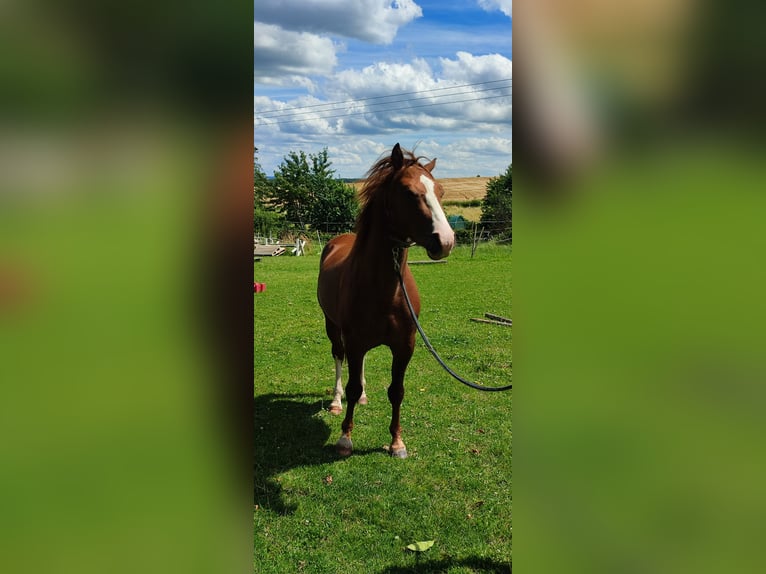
(316, 512)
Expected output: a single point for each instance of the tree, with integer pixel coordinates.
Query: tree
(292, 187)
(307, 192)
(265, 218)
(260, 181)
(496, 207)
(335, 203)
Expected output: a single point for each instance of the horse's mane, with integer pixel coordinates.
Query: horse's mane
(377, 179)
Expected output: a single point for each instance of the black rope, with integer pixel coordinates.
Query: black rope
(397, 267)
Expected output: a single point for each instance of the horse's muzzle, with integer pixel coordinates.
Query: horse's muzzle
(439, 245)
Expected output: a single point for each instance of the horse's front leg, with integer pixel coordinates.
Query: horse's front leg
(401, 358)
(338, 352)
(336, 407)
(344, 446)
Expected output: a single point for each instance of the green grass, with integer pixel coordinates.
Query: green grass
(455, 487)
(463, 203)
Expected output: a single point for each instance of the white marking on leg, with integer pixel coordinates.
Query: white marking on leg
(336, 400)
(439, 221)
(363, 397)
(344, 445)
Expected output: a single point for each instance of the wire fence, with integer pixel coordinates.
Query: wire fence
(307, 239)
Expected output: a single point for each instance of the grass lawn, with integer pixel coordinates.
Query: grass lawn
(315, 512)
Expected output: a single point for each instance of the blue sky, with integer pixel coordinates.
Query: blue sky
(420, 55)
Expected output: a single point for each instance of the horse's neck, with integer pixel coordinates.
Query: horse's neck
(372, 257)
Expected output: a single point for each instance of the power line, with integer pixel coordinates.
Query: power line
(294, 114)
(385, 110)
(386, 96)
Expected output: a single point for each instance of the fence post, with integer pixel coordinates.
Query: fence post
(473, 243)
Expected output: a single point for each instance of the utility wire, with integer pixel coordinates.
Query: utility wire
(292, 115)
(386, 96)
(383, 110)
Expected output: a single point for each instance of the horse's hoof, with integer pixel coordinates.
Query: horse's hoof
(335, 409)
(344, 446)
(363, 400)
(399, 453)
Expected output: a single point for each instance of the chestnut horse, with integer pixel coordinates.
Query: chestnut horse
(358, 286)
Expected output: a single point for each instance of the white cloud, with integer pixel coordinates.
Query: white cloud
(384, 78)
(442, 103)
(458, 155)
(468, 156)
(468, 68)
(419, 99)
(488, 145)
(373, 21)
(283, 57)
(468, 137)
(505, 6)
(355, 151)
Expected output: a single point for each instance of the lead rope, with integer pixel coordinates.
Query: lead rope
(397, 252)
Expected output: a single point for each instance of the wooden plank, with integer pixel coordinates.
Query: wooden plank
(491, 322)
(268, 251)
(497, 318)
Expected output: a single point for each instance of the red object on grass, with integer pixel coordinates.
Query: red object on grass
(259, 287)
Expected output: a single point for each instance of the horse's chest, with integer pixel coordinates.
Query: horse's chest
(373, 321)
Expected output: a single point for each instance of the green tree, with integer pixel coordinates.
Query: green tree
(497, 205)
(292, 187)
(306, 191)
(265, 217)
(335, 203)
(261, 186)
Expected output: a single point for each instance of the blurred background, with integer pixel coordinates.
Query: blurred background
(125, 218)
(638, 300)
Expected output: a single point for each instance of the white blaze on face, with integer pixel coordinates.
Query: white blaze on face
(440, 224)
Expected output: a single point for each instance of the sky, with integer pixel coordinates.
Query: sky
(358, 77)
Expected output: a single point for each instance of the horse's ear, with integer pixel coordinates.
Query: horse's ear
(429, 167)
(397, 158)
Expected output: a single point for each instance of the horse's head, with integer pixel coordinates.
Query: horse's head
(414, 205)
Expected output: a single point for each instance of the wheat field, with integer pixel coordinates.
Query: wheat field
(457, 188)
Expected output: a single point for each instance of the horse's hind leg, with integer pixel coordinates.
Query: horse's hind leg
(338, 352)
(363, 398)
(353, 393)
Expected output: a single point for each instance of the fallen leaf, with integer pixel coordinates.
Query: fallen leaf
(420, 546)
